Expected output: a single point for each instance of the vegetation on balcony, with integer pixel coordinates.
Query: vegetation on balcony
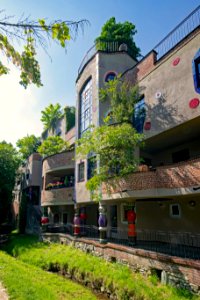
(111, 278)
(121, 33)
(68, 181)
(113, 144)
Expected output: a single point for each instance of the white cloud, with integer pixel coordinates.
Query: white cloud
(19, 109)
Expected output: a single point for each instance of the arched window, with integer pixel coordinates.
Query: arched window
(86, 107)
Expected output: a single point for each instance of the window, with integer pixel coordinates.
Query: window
(124, 212)
(139, 115)
(86, 107)
(92, 165)
(180, 155)
(175, 211)
(110, 76)
(196, 71)
(81, 169)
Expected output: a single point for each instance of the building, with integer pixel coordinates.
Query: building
(164, 194)
(28, 189)
(57, 198)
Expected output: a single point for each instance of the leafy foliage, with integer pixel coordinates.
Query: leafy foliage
(31, 33)
(50, 116)
(53, 145)
(70, 117)
(28, 145)
(9, 163)
(115, 147)
(121, 33)
(122, 96)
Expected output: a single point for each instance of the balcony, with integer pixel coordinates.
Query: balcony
(59, 196)
(59, 161)
(183, 175)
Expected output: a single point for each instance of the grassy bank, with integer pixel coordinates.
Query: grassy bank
(115, 278)
(26, 282)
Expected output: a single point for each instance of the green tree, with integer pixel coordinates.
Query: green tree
(53, 145)
(28, 145)
(113, 144)
(69, 112)
(31, 33)
(50, 116)
(122, 96)
(120, 33)
(9, 163)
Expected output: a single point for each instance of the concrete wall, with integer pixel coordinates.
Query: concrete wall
(148, 212)
(174, 82)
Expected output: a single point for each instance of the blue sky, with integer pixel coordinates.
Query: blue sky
(21, 109)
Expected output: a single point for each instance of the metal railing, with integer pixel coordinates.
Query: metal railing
(107, 47)
(190, 23)
(181, 244)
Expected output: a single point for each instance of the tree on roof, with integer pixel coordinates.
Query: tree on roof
(120, 33)
(50, 116)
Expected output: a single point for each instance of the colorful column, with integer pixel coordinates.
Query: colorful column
(102, 224)
(131, 216)
(76, 222)
(83, 218)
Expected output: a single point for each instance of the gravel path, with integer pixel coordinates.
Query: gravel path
(3, 294)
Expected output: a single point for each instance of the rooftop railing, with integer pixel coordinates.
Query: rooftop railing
(182, 30)
(107, 47)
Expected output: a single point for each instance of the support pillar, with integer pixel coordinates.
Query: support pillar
(102, 224)
(131, 216)
(76, 222)
(83, 218)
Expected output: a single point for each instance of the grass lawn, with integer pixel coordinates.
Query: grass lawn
(93, 269)
(26, 282)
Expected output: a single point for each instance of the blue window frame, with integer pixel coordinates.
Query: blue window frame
(86, 107)
(139, 115)
(196, 71)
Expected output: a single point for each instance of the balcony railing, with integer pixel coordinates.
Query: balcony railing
(182, 30)
(180, 175)
(60, 196)
(108, 47)
(60, 160)
(181, 244)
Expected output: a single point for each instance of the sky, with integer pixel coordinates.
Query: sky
(20, 111)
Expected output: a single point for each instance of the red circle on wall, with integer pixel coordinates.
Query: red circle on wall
(194, 103)
(147, 125)
(176, 61)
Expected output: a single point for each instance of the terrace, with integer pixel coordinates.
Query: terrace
(180, 32)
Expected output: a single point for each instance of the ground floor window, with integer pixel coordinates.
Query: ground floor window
(175, 211)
